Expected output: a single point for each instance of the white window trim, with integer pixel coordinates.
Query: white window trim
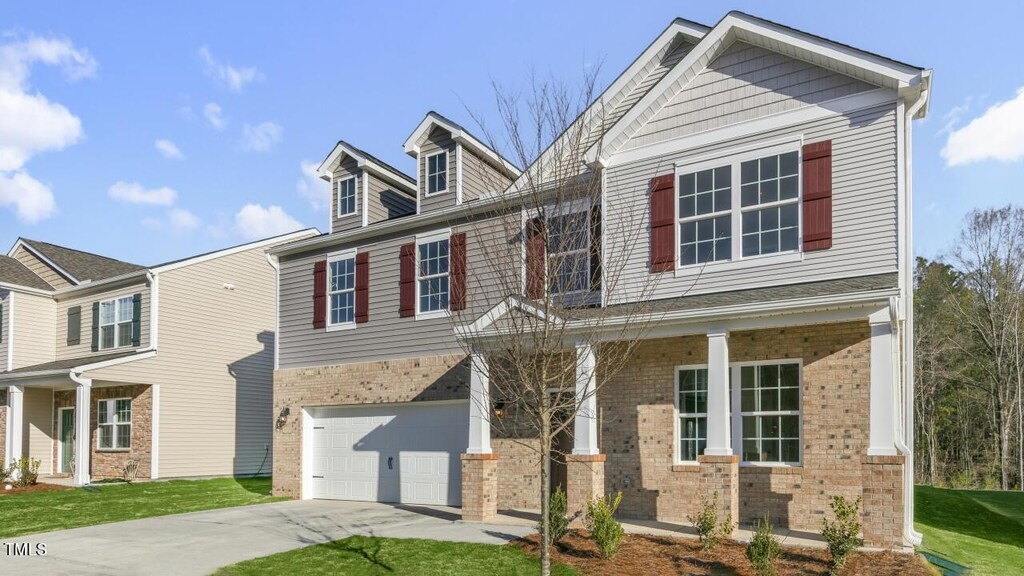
(734, 158)
(355, 199)
(426, 173)
(736, 422)
(346, 255)
(564, 209)
(428, 238)
(116, 324)
(111, 413)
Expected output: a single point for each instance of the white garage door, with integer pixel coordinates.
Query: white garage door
(406, 453)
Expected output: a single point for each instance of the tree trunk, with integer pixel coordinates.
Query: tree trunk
(545, 490)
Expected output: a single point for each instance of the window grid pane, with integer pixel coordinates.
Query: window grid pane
(433, 276)
(768, 180)
(568, 252)
(437, 173)
(692, 407)
(341, 288)
(347, 196)
(770, 406)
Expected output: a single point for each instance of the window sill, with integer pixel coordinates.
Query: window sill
(691, 270)
(774, 467)
(433, 315)
(113, 450)
(437, 193)
(340, 327)
(349, 215)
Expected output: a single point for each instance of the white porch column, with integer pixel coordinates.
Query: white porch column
(585, 425)
(479, 405)
(15, 423)
(719, 427)
(882, 435)
(83, 399)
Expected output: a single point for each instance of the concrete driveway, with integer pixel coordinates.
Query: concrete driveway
(200, 542)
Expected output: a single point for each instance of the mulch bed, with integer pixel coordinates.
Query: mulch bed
(642, 555)
(40, 487)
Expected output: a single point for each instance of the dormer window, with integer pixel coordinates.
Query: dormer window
(346, 191)
(437, 173)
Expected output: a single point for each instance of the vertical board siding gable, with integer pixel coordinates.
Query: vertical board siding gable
(320, 294)
(663, 253)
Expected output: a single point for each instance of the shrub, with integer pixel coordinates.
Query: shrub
(25, 471)
(604, 528)
(842, 534)
(130, 470)
(558, 523)
(764, 548)
(705, 521)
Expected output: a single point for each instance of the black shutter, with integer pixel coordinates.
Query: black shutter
(74, 325)
(136, 319)
(95, 326)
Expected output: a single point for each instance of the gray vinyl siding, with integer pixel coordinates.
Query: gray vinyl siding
(744, 83)
(439, 139)
(479, 178)
(386, 201)
(347, 169)
(864, 210)
(84, 346)
(40, 268)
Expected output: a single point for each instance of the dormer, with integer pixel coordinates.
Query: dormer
(365, 190)
(453, 166)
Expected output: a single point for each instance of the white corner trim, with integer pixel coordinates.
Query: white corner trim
(154, 309)
(307, 455)
(10, 334)
(154, 441)
(276, 265)
(366, 198)
(458, 173)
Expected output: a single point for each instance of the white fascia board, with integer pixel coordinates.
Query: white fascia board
(497, 311)
(25, 289)
(21, 244)
(294, 236)
(460, 136)
(362, 162)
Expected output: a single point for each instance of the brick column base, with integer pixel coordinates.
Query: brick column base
(722, 474)
(585, 479)
(479, 487)
(882, 479)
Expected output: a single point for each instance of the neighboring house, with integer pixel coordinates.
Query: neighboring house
(102, 361)
(805, 302)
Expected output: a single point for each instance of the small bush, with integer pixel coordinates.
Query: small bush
(764, 548)
(705, 521)
(842, 534)
(558, 522)
(606, 531)
(25, 471)
(130, 470)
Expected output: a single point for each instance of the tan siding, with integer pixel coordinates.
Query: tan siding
(347, 169)
(5, 303)
(37, 434)
(84, 347)
(34, 334)
(40, 268)
(439, 139)
(214, 366)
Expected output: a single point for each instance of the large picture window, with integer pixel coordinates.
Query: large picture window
(568, 252)
(692, 405)
(116, 319)
(114, 419)
(341, 289)
(432, 275)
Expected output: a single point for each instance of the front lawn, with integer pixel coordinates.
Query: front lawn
(982, 529)
(35, 512)
(369, 556)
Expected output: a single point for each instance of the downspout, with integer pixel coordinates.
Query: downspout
(154, 308)
(276, 265)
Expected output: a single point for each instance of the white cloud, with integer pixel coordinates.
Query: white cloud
(30, 123)
(254, 222)
(182, 220)
(262, 137)
(998, 134)
(312, 187)
(135, 193)
(169, 149)
(32, 200)
(234, 78)
(214, 115)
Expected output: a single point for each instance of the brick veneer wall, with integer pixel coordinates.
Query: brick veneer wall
(405, 380)
(518, 473)
(110, 463)
(3, 429)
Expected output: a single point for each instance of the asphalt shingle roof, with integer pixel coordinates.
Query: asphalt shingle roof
(14, 272)
(82, 265)
(69, 363)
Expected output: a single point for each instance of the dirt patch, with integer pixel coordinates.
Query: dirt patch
(644, 555)
(40, 487)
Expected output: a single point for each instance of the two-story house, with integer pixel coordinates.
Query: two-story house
(102, 361)
(768, 171)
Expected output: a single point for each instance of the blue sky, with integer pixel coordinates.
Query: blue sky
(245, 94)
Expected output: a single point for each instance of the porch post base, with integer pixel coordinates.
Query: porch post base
(479, 487)
(722, 474)
(585, 479)
(882, 478)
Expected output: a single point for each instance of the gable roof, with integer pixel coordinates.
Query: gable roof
(460, 135)
(14, 272)
(370, 163)
(77, 266)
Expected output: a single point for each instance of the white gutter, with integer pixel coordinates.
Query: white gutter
(276, 265)
(10, 334)
(25, 289)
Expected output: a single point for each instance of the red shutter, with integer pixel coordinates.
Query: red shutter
(535, 255)
(458, 270)
(663, 216)
(817, 202)
(407, 281)
(362, 287)
(320, 294)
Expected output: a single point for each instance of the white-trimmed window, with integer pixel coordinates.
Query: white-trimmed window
(114, 418)
(432, 269)
(437, 172)
(116, 319)
(341, 289)
(346, 192)
(692, 407)
(768, 399)
(738, 207)
(568, 249)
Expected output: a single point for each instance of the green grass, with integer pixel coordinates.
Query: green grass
(32, 513)
(978, 528)
(369, 556)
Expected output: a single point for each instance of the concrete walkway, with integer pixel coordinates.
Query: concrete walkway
(200, 542)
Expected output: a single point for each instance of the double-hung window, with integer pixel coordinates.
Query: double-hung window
(705, 219)
(769, 196)
(114, 418)
(568, 251)
(346, 196)
(692, 406)
(432, 266)
(437, 173)
(769, 410)
(341, 289)
(116, 319)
